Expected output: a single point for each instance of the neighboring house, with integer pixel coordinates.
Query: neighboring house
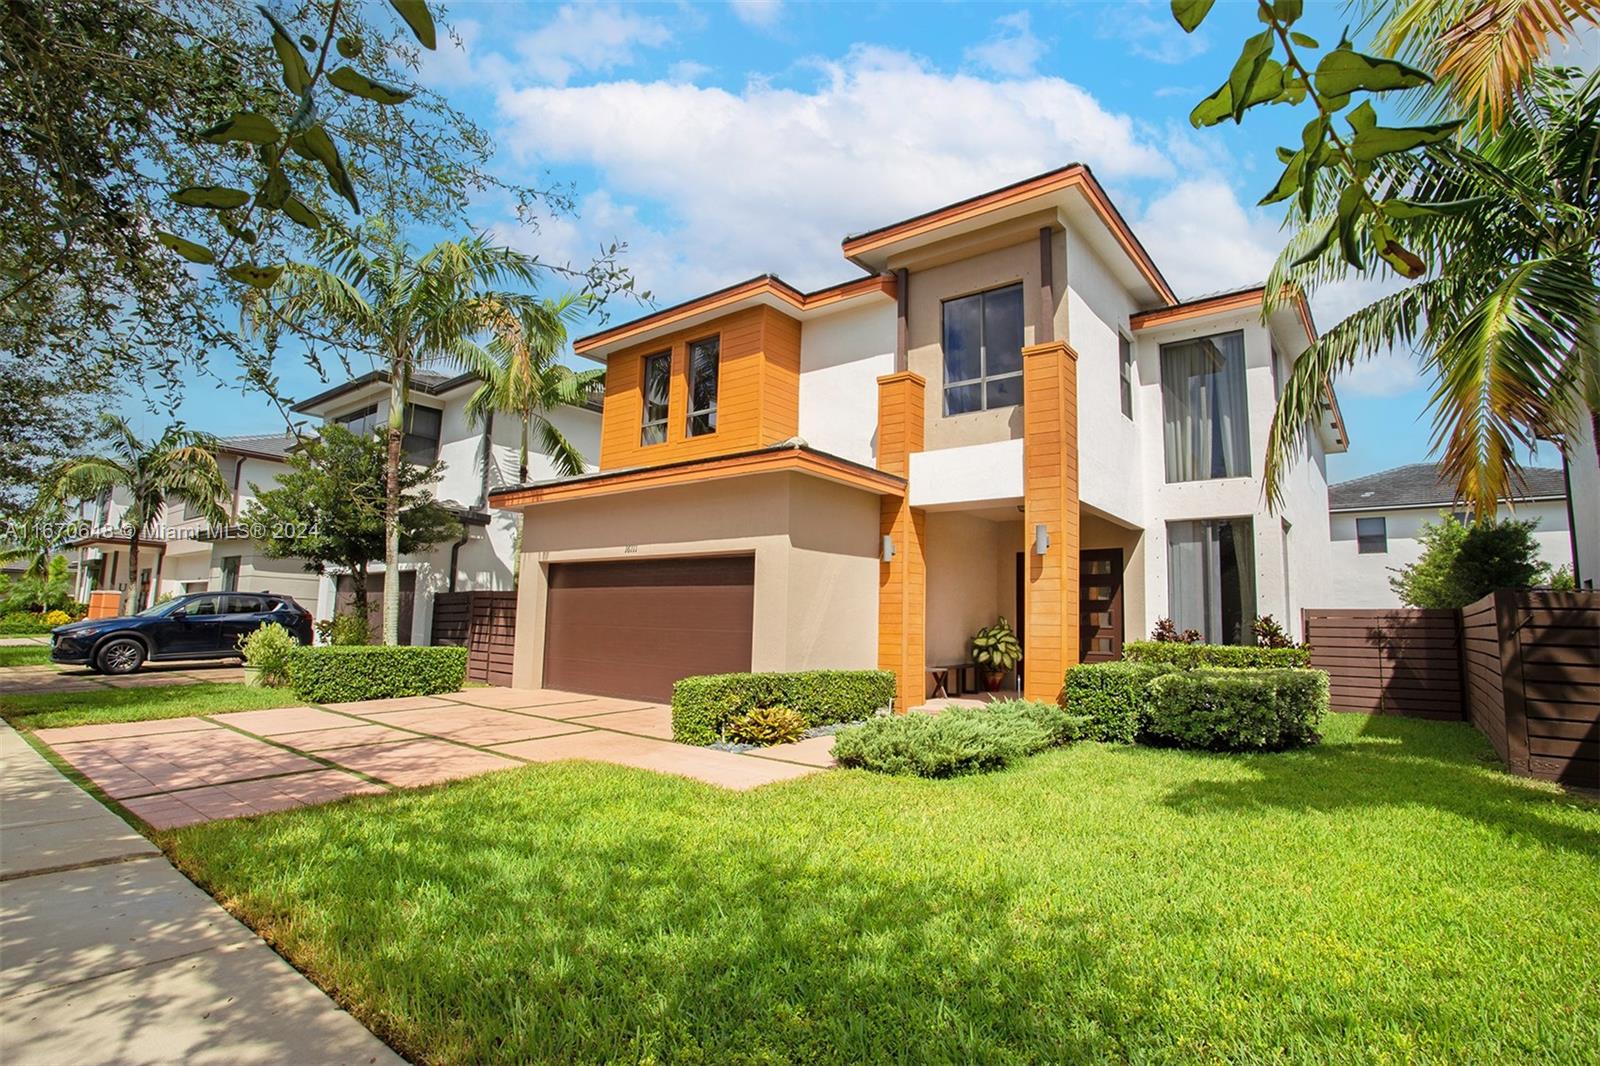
(1582, 470)
(1374, 522)
(437, 428)
(1008, 414)
(183, 552)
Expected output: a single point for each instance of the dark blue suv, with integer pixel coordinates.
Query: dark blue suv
(200, 625)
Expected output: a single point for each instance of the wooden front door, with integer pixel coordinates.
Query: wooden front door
(1100, 622)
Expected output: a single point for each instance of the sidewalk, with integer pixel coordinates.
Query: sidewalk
(109, 955)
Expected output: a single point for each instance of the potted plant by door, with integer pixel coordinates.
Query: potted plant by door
(995, 650)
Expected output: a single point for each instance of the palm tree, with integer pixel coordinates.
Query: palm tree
(179, 465)
(521, 377)
(370, 291)
(1509, 322)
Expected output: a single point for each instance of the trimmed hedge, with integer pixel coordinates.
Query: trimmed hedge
(701, 706)
(1114, 697)
(1237, 710)
(960, 740)
(1235, 656)
(343, 673)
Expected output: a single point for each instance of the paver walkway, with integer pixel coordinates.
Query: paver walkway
(180, 771)
(110, 955)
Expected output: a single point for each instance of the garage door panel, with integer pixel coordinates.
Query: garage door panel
(632, 628)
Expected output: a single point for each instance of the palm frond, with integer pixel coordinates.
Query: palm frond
(562, 452)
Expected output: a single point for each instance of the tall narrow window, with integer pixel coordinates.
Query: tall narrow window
(1125, 368)
(423, 426)
(1211, 578)
(1205, 420)
(657, 384)
(703, 359)
(1372, 536)
(983, 351)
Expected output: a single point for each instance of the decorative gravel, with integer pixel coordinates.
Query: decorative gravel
(814, 731)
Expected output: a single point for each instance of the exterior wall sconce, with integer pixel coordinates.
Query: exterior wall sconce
(1041, 539)
(887, 552)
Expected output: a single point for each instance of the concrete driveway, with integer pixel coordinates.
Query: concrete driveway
(180, 771)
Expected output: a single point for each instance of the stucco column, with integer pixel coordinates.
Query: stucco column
(902, 581)
(1050, 499)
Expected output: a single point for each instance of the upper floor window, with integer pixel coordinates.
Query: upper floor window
(983, 351)
(423, 426)
(1372, 536)
(1205, 419)
(1125, 369)
(657, 380)
(703, 358)
(362, 423)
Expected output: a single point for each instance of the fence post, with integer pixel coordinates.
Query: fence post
(1506, 629)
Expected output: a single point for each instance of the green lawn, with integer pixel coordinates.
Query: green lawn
(24, 655)
(1388, 896)
(47, 710)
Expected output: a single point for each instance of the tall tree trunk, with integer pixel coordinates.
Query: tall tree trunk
(522, 464)
(391, 508)
(133, 572)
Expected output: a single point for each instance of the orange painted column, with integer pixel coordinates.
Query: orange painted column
(903, 580)
(1050, 499)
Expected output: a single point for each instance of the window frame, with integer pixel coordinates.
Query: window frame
(1382, 536)
(1245, 460)
(645, 422)
(1125, 372)
(359, 414)
(230, 573)
(984, 377)
(689, 369)
(407, 433)
(1211, 582)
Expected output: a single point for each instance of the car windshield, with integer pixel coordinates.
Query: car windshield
(159, 609)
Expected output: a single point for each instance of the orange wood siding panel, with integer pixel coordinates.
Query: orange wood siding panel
(757, 403)
(1050, 498)
(903, 581)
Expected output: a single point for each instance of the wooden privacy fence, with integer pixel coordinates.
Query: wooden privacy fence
(485, 623)
(1404, 662)
(1532, 662)
(1522, 667)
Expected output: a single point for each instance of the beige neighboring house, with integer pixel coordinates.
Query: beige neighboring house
(1006, 412)
(183, 552)
(1375, 522)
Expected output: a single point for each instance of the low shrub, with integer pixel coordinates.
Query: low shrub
(1114, 697)
(702, 706)
(56, 618)
(767, 726)
(1191, 656)
(339, 674)
(961, 740)
(268, 649)
(22, 624)
(1237, 710)
(343, 630)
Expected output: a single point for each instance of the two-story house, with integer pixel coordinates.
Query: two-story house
(1008, 414)
(1376, 524)
(476, 459)
(184, 552)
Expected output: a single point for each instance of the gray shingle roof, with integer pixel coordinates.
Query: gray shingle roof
(260, 443)
(1420, 485)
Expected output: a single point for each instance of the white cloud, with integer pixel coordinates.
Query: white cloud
(735, 183)
(1150, 32)
(687, 70)
(588, 38)
(1012, 51)
(763, 14)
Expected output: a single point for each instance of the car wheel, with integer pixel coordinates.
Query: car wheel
(122, 656)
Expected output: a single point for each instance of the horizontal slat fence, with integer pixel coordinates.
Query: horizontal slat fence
(1523, 667)
(1405, 662)
(486, 624)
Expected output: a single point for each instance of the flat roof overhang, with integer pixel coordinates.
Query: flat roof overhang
(1072, 190)
(768, 290)
(782, 459)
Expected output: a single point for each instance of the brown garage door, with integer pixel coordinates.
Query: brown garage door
(633, 628)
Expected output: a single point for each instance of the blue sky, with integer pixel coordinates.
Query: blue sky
(724, 140)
